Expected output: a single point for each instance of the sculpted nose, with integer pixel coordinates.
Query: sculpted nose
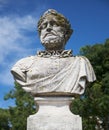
(49, 27)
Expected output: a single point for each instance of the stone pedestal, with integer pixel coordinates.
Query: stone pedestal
(54, 114)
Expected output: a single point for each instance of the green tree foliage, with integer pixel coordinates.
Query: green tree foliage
(24, 107)
(4, 119)
(93, 106)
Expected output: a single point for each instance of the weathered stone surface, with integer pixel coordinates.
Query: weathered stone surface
(55, 69)
(54, 114)
(54, 72)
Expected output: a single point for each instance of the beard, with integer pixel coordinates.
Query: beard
(53, 43)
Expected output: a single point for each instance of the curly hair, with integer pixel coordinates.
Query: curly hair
(62, 21)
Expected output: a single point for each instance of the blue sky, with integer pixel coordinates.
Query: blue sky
(18, 32)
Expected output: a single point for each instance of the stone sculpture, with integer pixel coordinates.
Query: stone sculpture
(54, 70)
(54, 76)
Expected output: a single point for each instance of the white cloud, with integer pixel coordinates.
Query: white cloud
(11, 37)
(12, 42)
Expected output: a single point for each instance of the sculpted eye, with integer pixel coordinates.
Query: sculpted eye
(55, 24)
(44, 25)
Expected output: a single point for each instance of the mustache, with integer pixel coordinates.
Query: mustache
(52, 33)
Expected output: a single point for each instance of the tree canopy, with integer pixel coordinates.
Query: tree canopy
(4, 119)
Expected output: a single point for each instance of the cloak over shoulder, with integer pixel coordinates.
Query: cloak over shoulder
(43, 75)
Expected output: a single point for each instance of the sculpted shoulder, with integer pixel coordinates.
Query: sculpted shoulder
(27, 59)
(21, 67)
(24, 63)
(82, 58)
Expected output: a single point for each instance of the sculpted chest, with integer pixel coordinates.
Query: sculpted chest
(42, 67)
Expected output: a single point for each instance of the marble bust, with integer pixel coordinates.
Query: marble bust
(54, 70)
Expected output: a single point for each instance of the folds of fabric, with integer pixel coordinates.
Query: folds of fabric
(41, 75)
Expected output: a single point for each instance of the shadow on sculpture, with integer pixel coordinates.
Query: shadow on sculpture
(54, 76)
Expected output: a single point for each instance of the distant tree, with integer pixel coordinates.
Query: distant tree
(24, 107)
(93, 106)
(4, 119)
